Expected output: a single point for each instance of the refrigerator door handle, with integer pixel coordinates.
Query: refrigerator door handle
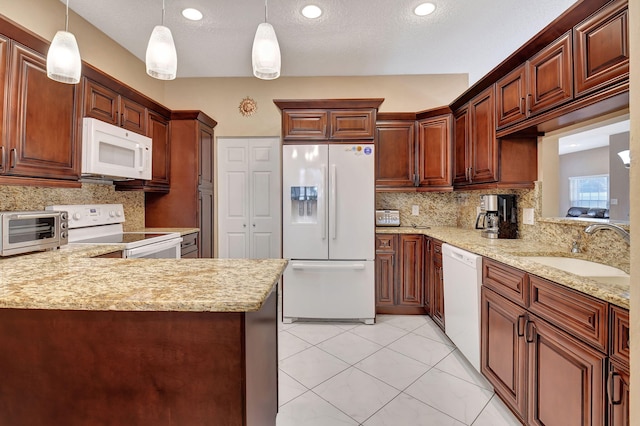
(324, 210)
(317, 266)
(332, 203)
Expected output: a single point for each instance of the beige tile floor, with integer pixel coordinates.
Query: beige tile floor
(402, 371)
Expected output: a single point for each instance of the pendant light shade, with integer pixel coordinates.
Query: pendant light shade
(265, 55)
(625, 156)
(63, 58)
(161, 58)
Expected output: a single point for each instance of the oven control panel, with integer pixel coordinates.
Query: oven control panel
(83, 215)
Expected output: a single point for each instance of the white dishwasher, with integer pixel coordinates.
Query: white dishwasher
(462, 273)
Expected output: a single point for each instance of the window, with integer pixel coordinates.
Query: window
(589, 191)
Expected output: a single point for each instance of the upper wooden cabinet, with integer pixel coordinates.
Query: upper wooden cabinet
(43, 121)
(601, 48)
(107, 105)
(434, 153)
(414, 155)
(396, 154)
(543, 82)
(475, 141)
(305, 124)
(332, 125)
(333, 120)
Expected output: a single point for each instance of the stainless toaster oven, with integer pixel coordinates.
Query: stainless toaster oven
(24, 232)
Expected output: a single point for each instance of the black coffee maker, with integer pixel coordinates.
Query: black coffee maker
(498, 217)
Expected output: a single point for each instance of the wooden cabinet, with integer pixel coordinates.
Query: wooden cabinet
(107, 105)
(543, 82)
(541, 344)
(328, 124)
(476, 146)
(434, 153)
(42, 137)
(618, 374)
(562, 368)
(399, 274)
(189, 246)
(190, 201)
(396, 154)
(332, 120)
(437, 284)
(601, 48)
(503, 352)
(414, 155)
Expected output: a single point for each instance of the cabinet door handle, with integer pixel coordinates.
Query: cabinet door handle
(522, 105)
(531, 327)
(611, 389)
(1, 157)
(529, 101)
(521, 325)
(14, 158)
(122, 120)
(470, 174)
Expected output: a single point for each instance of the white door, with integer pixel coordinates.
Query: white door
(351, 202)
(249, 198)
(304, 204)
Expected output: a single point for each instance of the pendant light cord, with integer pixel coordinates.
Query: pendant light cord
(265, 10)
(66, 18)
(163, 13)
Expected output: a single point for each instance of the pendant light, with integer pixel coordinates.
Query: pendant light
(63, 58)
(265, 55)
(161, 58)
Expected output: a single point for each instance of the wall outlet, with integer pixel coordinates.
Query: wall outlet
(527, 216)
(415, 210)
(614, 201)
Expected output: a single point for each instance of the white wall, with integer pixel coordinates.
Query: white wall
(618, 178)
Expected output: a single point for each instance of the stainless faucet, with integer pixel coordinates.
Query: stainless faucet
(600, 226)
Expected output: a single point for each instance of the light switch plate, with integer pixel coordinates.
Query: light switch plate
(527, 216)
(415, 210)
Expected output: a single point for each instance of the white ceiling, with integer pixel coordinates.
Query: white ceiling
(592, 138)
(351, 38)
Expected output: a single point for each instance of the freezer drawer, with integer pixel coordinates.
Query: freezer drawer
(342, 290)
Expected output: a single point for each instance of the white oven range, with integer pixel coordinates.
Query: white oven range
(102, 224)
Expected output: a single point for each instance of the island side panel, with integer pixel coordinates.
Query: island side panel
(117, 368)
(261, 343)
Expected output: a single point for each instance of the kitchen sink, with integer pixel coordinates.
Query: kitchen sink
(585, 268)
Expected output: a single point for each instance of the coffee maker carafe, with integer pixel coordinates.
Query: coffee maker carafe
(498, 216)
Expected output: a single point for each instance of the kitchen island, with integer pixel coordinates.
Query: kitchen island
(137, 341)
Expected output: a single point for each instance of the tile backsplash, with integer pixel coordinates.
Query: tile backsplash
(459, 209)
(13, 198)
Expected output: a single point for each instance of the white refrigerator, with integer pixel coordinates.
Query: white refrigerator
(328, 232)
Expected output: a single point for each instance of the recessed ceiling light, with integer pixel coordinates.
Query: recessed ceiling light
(192, 14)
(311, 11)
(424, 9)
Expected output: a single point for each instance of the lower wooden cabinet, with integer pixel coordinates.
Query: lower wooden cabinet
(618, 394)
(547, 376)
(400, 274)
(436, 284)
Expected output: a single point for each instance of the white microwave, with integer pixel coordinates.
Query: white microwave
(114, 153)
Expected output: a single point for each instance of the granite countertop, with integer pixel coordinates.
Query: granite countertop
(70, 279)
(511, 252)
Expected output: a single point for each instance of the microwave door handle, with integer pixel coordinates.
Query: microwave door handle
(141, 157)
(30, 216)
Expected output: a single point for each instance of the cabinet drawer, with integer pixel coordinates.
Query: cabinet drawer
(385, 242)
(353, 125)
(619, 348)
(576, 313)
(510, 282)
